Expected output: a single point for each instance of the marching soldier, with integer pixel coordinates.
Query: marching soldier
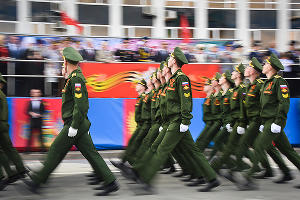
(6, 144)
(275, 102)
(76, 129)
(207, 136)
(179, 107)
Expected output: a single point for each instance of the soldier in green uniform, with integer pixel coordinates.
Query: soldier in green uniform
(275, 102)
(236, 125)
(6, 145)
(179, 107)
(141, 87)
(215, 118)
(221, 137)
(75, 107)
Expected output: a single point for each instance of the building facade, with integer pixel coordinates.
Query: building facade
(245, 20)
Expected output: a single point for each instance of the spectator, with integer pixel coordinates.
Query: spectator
(212, 55)
(163, 53)
(286, 62)
(89, 53)
(35, 111)
(272, 49)
(256, 51)
(144, 51)
(14, 47)
(200, 56)
(104, 54)
(226, 56)
(292, 53)
(238, 55)
(125, 54)
(185, 49)
(4, 54)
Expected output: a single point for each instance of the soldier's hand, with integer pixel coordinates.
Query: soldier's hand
(72, 132)
(160, 129)
(275, 128)
(240, 130)
(183, 128)
(261, 128)
(229, 128)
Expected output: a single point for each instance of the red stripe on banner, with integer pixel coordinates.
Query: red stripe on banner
(129, 121)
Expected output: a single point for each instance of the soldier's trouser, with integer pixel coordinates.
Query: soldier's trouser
(148, 140)
(130, 142)
(173, 138)
(130, 152)
(8, 149)
(4, 162)
(229, 148)
(219, 142)
(247, 141)
(209, 135)
(264, 143)
(203, 133)
(62, 145)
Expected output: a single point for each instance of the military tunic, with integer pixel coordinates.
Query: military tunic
(275, 101)
(74, 113)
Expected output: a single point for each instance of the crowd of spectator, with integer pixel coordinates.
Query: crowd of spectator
(130, 50)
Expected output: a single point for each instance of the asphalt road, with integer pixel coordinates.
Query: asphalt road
(68, 182)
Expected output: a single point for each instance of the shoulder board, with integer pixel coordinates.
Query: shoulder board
(277, 76)
(74, 74)
(230, 90)
(242, 85)
(260, 81)
(180, 73)
(143, 95)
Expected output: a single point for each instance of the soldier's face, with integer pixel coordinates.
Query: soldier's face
(158, 74)
(222, 80)
(266, 68)
(207, 88)
(247, 71)
(215, 83)
(234, 75)
(171, 61)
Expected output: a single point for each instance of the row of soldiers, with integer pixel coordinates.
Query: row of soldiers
(237, 117)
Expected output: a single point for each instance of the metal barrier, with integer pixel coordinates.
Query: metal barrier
(12, 76)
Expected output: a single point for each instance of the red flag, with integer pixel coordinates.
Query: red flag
(185, 32)
(69, 21)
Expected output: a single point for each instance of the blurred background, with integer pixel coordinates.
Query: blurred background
(215, 35)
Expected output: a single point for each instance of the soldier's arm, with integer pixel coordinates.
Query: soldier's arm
(186, 101)
(283, 97)
(242, 118)
(80, 101)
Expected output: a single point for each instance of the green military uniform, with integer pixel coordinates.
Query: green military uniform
(5, 142)
(236, 107)
(75, 107)
(275, 101)
(179, 107)
(138, 120)
(222, 136)
(207, 116)
(252, 114)
(204, 140)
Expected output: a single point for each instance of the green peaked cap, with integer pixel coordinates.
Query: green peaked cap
(71, 54)
(217, 76)
(179, 56)
(162, 65)
(2, 79)
(143, 82)
(275, 62)
(227, 75)
(240, 68)
(255, 64)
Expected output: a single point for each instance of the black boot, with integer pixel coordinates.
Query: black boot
(32, 186)
(210, 185)
(286, 177)
(198, 181)
(107, 189)
(95, 181)
(297, 186)
(117, 164)
(188, 179)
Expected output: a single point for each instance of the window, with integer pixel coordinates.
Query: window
(133, 16)
(221, 18)
(295, 19)
(263, 19)
(93, 14)
(8, 10)
(188, 12)
(221, 3)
